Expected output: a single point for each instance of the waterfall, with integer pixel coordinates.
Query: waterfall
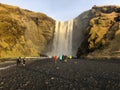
(62, 43)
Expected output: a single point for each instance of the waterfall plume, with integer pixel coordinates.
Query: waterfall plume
(62, 42)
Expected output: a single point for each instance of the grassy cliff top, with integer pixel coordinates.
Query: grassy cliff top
(100, 30)
(23, 32)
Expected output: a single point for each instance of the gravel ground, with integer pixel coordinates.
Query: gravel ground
(72, 75)
(6, 63)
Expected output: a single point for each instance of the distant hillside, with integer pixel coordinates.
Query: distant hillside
(23, 32)
(97, 32)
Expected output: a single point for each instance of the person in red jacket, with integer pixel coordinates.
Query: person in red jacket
(55, 58)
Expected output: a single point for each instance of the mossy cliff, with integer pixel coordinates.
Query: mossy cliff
(99, 30)
(96, 32)
(23, 32)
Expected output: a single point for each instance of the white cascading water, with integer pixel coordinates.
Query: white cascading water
(62, 43)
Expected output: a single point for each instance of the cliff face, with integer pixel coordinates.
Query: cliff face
(23, 32)
(99, 31)
(96, 32)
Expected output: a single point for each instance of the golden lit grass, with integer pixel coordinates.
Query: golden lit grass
(100, 26)
(23, 32)
(116, 42)
(103, 37)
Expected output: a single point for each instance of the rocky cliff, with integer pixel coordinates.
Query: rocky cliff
(23, 32)
(98, 32)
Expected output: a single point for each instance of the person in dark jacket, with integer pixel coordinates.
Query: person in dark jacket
(24, 62)
(18, 61)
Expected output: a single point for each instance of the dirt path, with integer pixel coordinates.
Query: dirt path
(72, 75)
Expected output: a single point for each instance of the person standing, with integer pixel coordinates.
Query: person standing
(18, 61)
(55, 58)
(70, 57)
(60, 57)
(24, 62)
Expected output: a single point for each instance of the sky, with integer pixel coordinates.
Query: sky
(60, 10)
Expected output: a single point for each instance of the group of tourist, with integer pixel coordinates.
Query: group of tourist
(21, 61)
(62, 58)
